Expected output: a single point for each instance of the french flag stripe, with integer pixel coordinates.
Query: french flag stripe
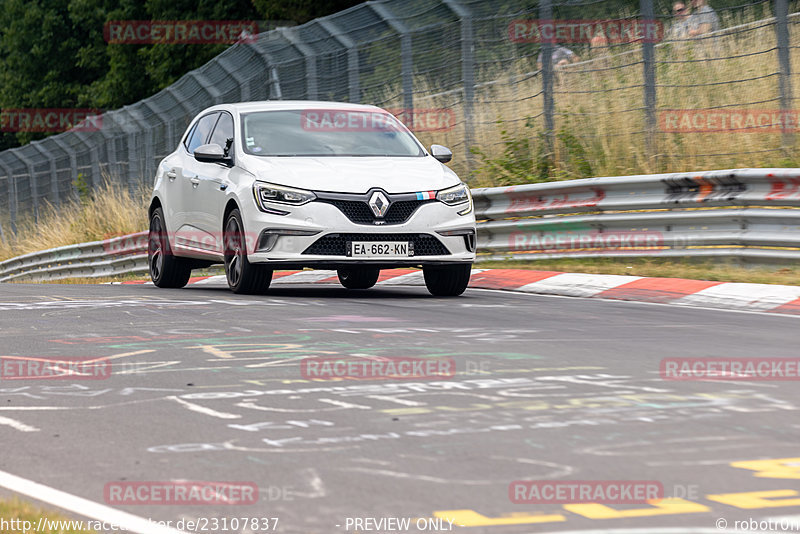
(426, 195)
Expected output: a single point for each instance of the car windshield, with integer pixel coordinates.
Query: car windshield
(327, 132)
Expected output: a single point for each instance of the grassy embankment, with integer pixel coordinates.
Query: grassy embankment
(16, 509)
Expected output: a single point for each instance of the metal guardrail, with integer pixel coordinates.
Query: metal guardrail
(745, 213)
(119, 255)
(751, 214)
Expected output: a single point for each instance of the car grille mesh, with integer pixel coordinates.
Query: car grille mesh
(336, 244)
(359, 211)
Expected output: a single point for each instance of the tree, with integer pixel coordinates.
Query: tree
(300, 11)
(53, 53)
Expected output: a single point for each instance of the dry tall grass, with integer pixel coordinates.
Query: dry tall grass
(110, 211)
(599, 108)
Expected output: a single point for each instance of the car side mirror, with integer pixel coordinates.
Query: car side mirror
(441, 153)
(211, 153)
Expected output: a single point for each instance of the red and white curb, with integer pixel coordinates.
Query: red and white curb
(677, 291)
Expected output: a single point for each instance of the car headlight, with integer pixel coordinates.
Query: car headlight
(266, 193)
(454, 196)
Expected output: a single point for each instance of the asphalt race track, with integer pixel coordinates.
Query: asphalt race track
(208, 386)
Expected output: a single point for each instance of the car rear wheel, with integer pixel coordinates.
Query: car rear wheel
(363, 278)
(166, 270)
(244, 278)
(447, 281)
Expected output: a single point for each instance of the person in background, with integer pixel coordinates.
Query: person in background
(599, 43)
(680, 27)
(703, 19)
(561, 56)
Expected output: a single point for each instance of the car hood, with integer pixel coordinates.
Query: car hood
(353, 174)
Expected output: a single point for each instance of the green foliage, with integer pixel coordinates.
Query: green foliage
(300, 11)
(525, 158)
(53, 53)
(575, 157)
(84, 189)
(789, 163)
(523, 161)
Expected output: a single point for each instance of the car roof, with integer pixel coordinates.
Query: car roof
(276, 105)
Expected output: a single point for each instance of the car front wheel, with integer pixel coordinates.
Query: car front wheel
(244, 278)
(166, 270)
(447, 281)
(358, 278)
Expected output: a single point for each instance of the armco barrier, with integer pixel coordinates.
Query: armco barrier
(744, 213)
(119, 255)
(752, 214)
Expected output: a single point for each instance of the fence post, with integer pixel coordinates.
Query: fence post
(133, 162)
(12, 197)
(649, 66)
(353, 81)
(546, 14)
(273, 88)
(139, 158)
(95, 178)
(188, 111)
(206, 85)
(110, 137)
(784, 62)
(310, 59)
(48, 155)
(17, 153)
(153, 153)
(406, 52)
(467, 74)
(73, 161)
(274, 83)
(244, 88)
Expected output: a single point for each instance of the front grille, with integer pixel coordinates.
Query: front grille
(359, 211)
(336, 244)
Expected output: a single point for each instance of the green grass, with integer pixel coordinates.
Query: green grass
(721, 271)
(101, 280)
(16, 509)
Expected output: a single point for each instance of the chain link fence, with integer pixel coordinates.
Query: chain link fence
(522, 109)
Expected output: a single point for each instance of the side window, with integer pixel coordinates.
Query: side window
(201, 132)
(223, 131)
(189, 136)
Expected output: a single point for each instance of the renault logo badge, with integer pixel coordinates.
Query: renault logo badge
(379, 204)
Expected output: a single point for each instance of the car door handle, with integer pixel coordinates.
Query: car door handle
(172, 175)
(195, 180)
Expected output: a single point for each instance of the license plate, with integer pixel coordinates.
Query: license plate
(381, 249)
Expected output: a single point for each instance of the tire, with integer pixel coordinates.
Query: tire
(363, 278)
(447, 281)
(166, 269)
(244, 278)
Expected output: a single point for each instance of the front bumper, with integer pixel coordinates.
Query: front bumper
(327, 247)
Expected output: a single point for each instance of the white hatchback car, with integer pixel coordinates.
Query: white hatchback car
(260, 186)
